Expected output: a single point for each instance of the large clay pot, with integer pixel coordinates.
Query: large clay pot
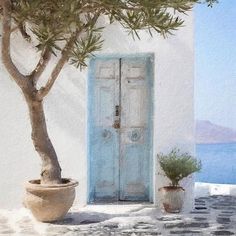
(49, 203)
(172, 198)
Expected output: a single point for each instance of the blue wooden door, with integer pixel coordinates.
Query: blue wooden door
(120, 129)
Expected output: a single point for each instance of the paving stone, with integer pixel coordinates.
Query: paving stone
(187, 225)
(225, 227)
(146, 233)
(142, 231)
(224, 204)
(180, 232)
(169, 218)
(203, 198)
(222, 232)
(222, 208)
(200, 208)
(200, 204)
(222, 220)
(199, 200)
(199, 212)
(214, 196)
(128, 231)
(200, 218)
(135, 232)
(227, 212)
(111, 226)
(225, 215)
(144, 225)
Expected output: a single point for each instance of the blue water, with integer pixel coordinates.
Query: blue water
(218, 163)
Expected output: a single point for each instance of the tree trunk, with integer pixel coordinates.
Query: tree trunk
(51, 170)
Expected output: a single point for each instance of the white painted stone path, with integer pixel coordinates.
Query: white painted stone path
(213, 215)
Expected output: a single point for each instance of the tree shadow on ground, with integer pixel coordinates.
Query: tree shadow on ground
(84, 218)
(95, 217)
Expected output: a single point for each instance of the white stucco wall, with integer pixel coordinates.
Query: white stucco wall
(66, 111)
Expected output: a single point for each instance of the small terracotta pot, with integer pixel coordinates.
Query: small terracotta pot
(49, 203)
(172, 198)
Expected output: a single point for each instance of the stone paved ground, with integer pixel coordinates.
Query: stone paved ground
(214, 215)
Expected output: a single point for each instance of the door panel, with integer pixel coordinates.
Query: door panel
(120, 129)
(135, 119)
(103, 138)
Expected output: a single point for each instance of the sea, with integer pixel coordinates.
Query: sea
(218, 163)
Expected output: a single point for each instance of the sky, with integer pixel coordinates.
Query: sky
(215, 63)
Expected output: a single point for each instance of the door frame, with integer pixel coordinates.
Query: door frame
(151, 82)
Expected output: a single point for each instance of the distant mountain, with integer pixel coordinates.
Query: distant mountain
(207, 132)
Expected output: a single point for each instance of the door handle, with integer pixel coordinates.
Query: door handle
(117, 110)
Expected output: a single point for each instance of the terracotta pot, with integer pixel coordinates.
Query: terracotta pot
(172, 198)
(49, 202)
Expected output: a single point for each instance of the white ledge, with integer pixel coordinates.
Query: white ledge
(208, 189)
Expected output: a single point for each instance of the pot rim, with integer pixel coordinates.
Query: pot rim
(35, 184)
(169, 188)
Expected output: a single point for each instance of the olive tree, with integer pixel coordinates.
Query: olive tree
(70, 31)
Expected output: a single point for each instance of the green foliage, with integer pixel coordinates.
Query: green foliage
(177, 165)
(56, 21)
(85, 47)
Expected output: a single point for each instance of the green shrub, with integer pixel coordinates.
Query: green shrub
(177, 165)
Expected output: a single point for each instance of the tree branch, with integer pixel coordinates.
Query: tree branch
(39, 69)
(20, 79)
(58, 67)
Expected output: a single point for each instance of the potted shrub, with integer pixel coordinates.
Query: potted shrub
(176, 166)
